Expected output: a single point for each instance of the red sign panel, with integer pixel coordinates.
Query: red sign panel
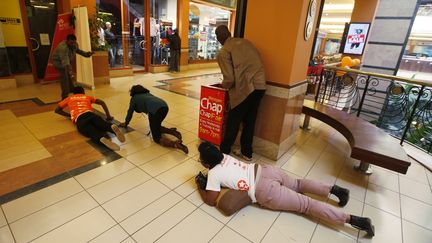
(354, 39)
(62, 30)
(212, 114)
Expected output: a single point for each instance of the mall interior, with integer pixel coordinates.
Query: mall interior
(58, 186)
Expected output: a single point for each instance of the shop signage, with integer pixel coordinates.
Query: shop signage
(225, 3)
(212, 113)
(5, 20)
(356, 38)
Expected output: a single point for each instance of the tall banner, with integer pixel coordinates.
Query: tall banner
(62, 29)
(84, 66)
(212, 114)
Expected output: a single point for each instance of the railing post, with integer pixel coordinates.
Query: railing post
(319, 85)
(412, 114)
(325, 90)
(363, 96)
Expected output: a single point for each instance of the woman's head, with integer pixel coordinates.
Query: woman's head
(210, 155)
(138, 89)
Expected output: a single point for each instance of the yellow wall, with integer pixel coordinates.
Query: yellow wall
(13, 33)
(277, 29)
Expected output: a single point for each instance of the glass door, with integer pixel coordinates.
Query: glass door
(42, 17)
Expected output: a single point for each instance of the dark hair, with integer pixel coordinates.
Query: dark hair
(71, 37)
(210, 154)
(78, 90)
(138, 89)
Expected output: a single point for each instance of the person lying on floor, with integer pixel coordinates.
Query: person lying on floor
(87, 122)
(272, 188)
(157, 109)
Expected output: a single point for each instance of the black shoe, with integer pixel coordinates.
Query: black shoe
(341, 193)
(362, 223)
(179, 145)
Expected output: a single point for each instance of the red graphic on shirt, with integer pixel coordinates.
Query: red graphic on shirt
(242, 185)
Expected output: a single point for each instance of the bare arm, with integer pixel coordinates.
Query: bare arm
(60, 111)
(209, 197)
(105, 108)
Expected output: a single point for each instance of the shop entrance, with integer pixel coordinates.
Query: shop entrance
(42, 16)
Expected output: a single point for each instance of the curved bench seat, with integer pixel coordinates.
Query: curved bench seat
(369, 144)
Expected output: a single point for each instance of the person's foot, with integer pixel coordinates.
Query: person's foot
(240, 155)
(363, 223)
(341, 193)
(119, 134)
(111, 145)
(176, 133)
(179, 145)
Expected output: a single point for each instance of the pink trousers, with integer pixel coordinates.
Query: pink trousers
(278, 191)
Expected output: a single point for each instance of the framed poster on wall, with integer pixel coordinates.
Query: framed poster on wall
(356, 37)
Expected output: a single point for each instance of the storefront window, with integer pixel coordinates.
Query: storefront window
(417, 58)
(163, 20)
(203, 21)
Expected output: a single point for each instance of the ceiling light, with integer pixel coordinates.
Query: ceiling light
(339, 7)
(331, 26)
(335, 20)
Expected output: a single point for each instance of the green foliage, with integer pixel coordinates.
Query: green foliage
(96, 26)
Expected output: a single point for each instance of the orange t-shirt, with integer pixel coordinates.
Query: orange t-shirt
(78, 104)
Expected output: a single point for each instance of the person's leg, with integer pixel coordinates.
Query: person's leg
(235, 116)
(271, 194)
(177, 61)
(249, 119)
(172, 61)
(65, 83)
(173, 131)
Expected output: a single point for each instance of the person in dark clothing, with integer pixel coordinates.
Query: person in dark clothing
(110, 39)
(157, 110)
(88, 123)
(175, 46)
(62, 58)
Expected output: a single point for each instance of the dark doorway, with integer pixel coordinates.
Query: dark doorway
(42, 17)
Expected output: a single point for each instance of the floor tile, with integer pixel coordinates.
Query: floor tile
(253, 222)
(135, 146)
(163, 163)
(180, 173)
(290, 227)
(118, 185)
(216, 213)
(387, 226)
(353, 181)
(186, 230)
(298, 165)
(416, 190)
(416, 212)
(81, 229)
(3, 221)
(385, 178)
(103, 173)
(148, 154)
(150, 212)
(383, 199)
(159, 226)
(186, 188)
(38, 200)
(417, 173)
(6, 235)
(112, 235)
(132, 201)
(228, 235)
(49, 218)
(415, 233)
(324, 234)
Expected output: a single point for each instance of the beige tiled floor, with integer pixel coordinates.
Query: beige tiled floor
(149, 194)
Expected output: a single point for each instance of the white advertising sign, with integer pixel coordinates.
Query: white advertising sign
(356, 38)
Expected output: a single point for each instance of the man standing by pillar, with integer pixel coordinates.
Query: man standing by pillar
(244, 77)
(175, 45)
(62, 58)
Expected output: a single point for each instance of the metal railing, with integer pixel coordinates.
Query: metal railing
(400, 106)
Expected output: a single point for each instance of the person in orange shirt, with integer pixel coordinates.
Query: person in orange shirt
(88, 123)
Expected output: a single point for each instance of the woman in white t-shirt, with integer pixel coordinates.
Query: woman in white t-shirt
(272, 188)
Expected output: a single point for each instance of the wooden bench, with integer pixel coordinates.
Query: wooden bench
(369, 144)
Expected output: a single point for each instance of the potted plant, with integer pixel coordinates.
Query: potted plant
(99, 46)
